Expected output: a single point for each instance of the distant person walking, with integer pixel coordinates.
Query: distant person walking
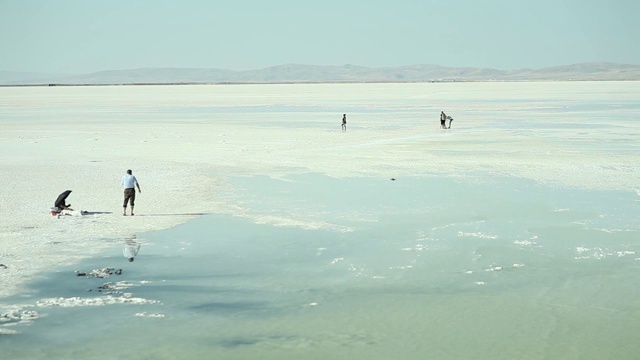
(443, 120)
(450, 120)
(129, 182)
(344, 122)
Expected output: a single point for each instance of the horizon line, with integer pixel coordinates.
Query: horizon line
(314, 65)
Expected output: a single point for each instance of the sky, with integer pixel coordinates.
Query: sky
(83, 36)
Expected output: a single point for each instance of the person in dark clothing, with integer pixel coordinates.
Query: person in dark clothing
(60, 202)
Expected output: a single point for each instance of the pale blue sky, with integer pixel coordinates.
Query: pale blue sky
(79, 36)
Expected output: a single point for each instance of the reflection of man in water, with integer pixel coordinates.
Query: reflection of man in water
(131, 248)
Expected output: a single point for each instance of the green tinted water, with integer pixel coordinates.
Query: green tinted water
(408, 269)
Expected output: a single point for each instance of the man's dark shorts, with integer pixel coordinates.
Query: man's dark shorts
(129, 195)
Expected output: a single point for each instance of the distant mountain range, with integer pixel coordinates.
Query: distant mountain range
(295, 73)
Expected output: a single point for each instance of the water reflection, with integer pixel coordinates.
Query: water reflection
(131, 247)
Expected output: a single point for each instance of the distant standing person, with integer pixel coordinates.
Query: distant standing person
(450, 120)
(129, 182)
(443, 120)
(344, 122)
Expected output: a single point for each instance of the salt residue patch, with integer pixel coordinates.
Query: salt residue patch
(115, 287)
(600, 253)
(17, 314)
(477, 234)
(500, 268)
(98, 301)
(528, 243)
(156, 315)
(23, 313)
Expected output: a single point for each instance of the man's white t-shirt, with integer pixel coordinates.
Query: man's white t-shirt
(129, 181)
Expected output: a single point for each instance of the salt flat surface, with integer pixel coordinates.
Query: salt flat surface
(184, 142)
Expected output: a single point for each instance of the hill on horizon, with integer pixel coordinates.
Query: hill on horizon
(297, 73)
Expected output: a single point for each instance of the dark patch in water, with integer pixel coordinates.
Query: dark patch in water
(231, 307)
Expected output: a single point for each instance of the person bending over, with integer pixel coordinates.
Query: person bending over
(129, 182)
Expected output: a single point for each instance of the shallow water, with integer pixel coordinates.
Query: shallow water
(410, 268)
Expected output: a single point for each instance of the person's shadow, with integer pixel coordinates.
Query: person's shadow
(183, 214)
(84, 212)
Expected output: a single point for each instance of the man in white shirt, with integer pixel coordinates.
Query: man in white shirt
(129, 182)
